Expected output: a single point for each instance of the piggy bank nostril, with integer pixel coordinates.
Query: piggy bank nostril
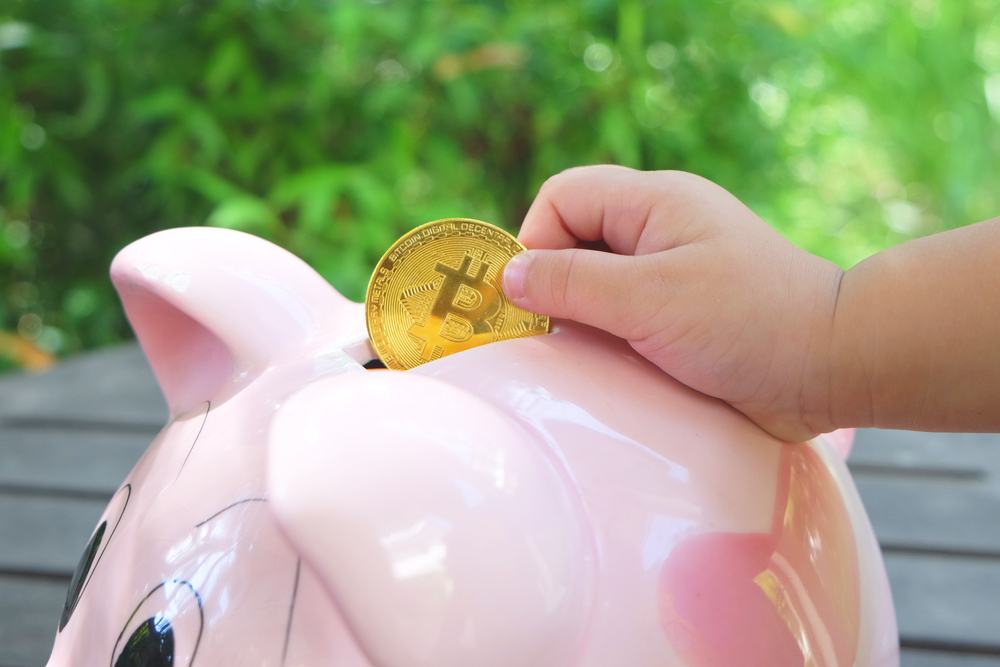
(150, 645)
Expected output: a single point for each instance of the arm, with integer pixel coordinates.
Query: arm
(915, 342)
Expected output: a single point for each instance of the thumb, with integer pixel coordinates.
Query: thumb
(601, 289)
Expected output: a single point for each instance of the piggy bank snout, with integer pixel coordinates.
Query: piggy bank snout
(432, 528)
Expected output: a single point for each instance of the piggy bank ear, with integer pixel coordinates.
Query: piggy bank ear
(212, 308)
(446, 534)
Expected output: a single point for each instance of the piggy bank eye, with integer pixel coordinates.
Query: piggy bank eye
(80, 574)
(93, 552)
(150, 645)
(163, 630)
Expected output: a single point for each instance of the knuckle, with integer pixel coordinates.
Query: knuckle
(572, 175)
(555, 182)
(654, 290)
(569, 281)
(685, 181)
(559, 282)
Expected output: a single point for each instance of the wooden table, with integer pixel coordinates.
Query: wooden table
(68, 438)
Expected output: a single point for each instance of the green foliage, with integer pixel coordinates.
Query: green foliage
(332, 127)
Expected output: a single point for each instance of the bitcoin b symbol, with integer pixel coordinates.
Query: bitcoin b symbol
(464, 305)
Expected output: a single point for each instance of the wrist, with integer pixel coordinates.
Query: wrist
(845, 368)
(838, 385)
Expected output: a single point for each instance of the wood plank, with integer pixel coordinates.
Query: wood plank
(45, 535)
(905, 450)
(934, 501)
(112, 385)
(63, 461)
(920, 658)
(933, 514)
(30, 611)
(944, 601)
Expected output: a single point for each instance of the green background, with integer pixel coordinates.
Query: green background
(333, 127)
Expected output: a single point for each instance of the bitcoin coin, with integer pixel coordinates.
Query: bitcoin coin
(438, 291)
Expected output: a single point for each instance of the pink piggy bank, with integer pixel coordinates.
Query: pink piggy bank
(553, 500)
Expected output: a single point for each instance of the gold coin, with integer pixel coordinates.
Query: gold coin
(438, 291)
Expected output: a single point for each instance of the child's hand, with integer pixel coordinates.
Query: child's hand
(705, 290)
(695, 282)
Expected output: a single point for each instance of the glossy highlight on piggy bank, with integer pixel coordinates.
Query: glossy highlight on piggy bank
(552, 500)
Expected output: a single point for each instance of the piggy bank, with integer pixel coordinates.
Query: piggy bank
(552, 500)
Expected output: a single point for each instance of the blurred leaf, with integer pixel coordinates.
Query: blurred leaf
(226, 66)
(96, 98)
(14, 34)
(247, 214)
(23, 353)
(618, 132)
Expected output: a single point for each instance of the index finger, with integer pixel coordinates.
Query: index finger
(587, 204)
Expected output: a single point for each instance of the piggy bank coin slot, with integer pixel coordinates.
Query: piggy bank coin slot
(361, 353)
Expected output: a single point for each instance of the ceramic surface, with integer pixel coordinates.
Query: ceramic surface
(553, 500)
